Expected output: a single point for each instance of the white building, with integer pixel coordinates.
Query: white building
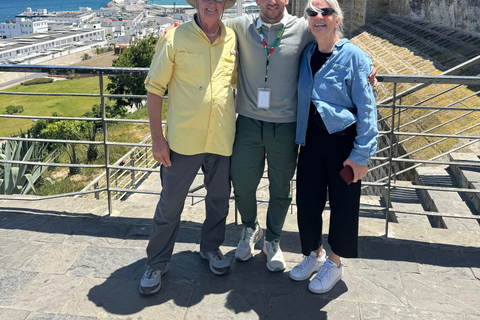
(22, 26)
(34, 48)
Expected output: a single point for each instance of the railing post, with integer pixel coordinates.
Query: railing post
(97, 194)
(132, 164)
(146, 157)
(105, 145)
(390, 160)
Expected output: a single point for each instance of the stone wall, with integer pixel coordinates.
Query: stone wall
(460, 14)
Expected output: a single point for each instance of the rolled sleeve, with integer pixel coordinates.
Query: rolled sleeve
(161, 68)
(365, 143)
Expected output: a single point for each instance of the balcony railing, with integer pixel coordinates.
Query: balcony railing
(395, 159)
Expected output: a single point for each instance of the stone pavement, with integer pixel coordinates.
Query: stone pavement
(63, 259)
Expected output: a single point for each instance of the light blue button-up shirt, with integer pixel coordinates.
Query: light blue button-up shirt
(342, 95)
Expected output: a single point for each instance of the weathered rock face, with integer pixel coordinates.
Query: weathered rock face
(460, 14)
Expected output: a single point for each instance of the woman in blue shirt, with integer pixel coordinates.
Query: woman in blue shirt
(336, 128)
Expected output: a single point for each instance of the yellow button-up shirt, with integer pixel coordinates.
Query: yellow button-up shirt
(201, 77)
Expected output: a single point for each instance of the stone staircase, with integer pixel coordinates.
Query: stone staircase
(452, 203)
(399, 45)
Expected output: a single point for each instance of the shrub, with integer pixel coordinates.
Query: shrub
(86, 56)
(11, 109)
(37, 81)
(73, 76)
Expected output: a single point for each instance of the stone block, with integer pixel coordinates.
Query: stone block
(12, 314)
(373, 311)
(46, 293)
(101, 262)
(54, 258)
(106, 298)
(12, 282)
(441, 294)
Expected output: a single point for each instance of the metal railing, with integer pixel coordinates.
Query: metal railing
(387, 166)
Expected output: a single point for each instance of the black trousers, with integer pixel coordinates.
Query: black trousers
(319, 162)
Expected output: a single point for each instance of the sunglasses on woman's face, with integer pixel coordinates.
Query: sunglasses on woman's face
(326, 12)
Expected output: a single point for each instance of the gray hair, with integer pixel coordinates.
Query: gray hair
(338, 14)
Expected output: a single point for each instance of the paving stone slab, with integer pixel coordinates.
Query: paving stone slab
(52, 316)
(15, 253)
(384, 255)
(311, 306)
(374, 311)
(57, 229)
(55, 258)
(363, 285)
(120, 299)
(47, 293)
(100, 262)
(67, 206)
(253, 275)
(462, 238)
(12, 314)
(448, 295)
(12, 283)
(22, 224)
(101, 232)
(134, 243)
(219, 304)
(446, 261)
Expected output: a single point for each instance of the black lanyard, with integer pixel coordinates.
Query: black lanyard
(269, 52)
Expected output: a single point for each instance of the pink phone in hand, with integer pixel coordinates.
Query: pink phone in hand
(347, 174)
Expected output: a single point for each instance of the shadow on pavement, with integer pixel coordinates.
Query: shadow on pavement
(249, 287)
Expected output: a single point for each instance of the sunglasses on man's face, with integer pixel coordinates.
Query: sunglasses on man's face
(219, 1)
(326, 12)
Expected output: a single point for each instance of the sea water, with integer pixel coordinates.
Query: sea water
(10, 8)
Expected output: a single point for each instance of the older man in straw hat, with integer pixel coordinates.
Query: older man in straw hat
(197, 61)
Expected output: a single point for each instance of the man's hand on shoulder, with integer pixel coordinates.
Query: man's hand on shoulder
(372, 79)
(176, 24)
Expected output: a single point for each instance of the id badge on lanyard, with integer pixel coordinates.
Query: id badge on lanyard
(264, 94)
(263, 98)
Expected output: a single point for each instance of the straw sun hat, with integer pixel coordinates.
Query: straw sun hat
(228, 5)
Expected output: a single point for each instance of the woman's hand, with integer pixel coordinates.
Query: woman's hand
(359, 171)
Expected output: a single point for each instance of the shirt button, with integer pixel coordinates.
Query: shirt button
(200, 88)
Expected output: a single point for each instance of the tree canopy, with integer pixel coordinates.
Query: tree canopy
(138, 55)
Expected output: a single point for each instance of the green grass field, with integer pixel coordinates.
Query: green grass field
(45, 106)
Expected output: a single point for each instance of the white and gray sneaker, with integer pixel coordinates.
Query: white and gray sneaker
(152, 280)
(219, 265)
(328, 275)
(247, 243)
(275, 260)
(307, 266)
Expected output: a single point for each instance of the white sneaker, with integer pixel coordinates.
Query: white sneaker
(309, 265)
(246, 244)
(219, 265)
(328, 275)
(275, 260)
(152, 280)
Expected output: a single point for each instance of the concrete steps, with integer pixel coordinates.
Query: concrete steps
(407, 200)
(468, 177)
(445, 201)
